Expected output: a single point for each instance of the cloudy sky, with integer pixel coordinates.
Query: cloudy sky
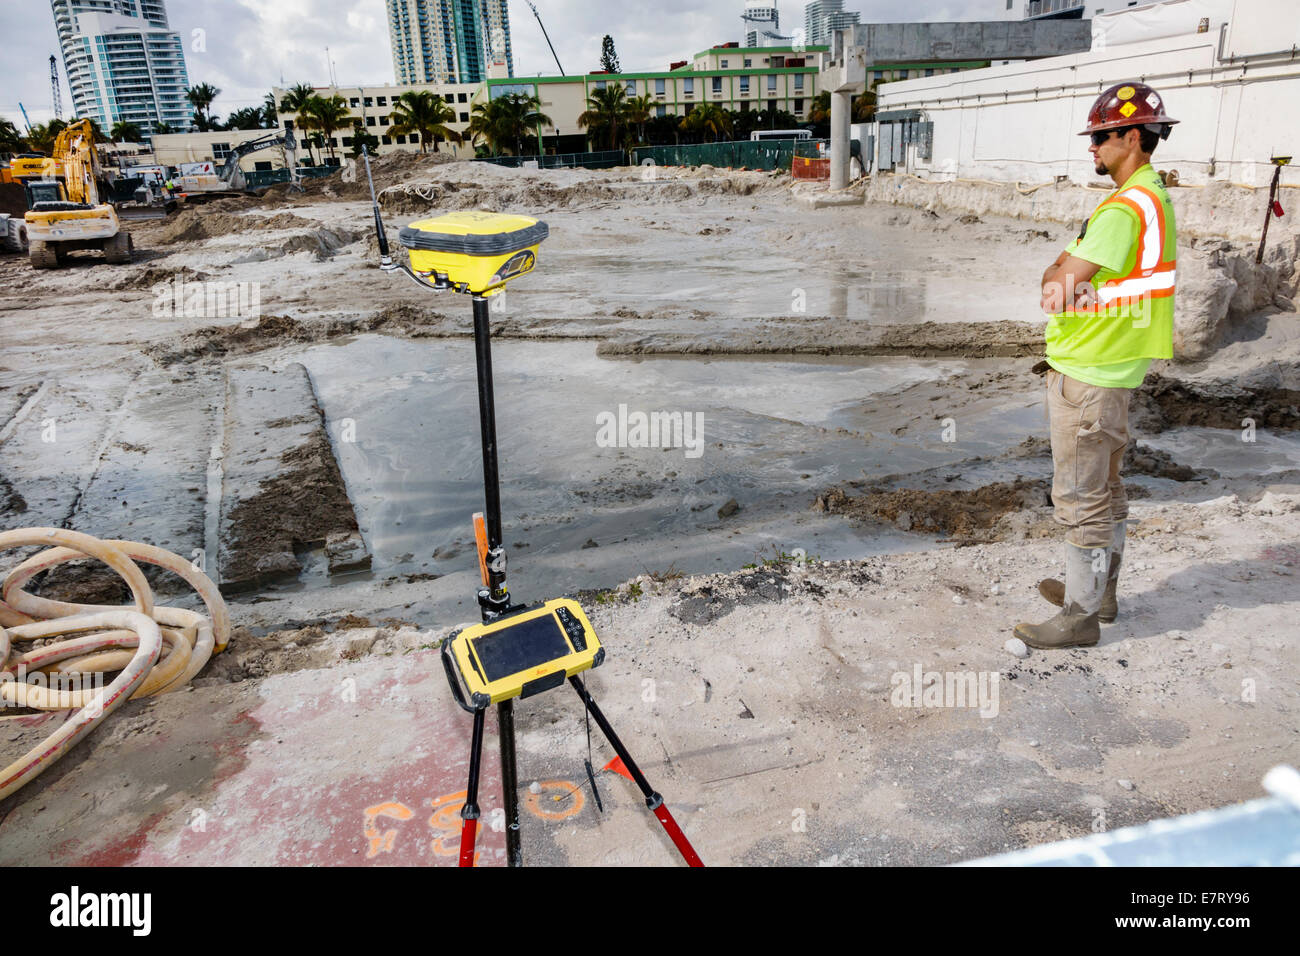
(244, 47)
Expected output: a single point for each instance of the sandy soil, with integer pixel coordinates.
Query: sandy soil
(775, 684)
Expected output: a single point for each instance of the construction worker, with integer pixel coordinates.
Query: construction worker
(1111, 298)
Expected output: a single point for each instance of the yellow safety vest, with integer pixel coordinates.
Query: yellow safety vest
(1134, 314)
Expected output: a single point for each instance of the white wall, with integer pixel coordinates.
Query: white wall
(1019, 122)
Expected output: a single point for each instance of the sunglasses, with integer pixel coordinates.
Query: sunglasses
(1101, 136)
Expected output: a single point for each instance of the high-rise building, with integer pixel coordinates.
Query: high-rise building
(823, 17)
(124, 64)
(449, 41)
(760, 18)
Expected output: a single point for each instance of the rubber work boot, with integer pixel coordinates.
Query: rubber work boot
(1077, 624)
(1053, 591)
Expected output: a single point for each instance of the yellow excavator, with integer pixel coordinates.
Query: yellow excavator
(66, 214)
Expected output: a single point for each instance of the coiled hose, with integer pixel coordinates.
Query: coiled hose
(127, 640)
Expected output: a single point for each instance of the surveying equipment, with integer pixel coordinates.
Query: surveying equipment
(518, 650)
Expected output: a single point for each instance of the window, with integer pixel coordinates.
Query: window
(778, 61)
(631, 87)
(262, 166)
(879, 75)
(381, 100)
(460, 97)
(600, 84)
(771, 105)
(367, 102)
(370, 121)
(798, 82)
(1009, 2)
(347, 140)
(661, 110)
(386, 140)
(401, 138)
(717, 84)
(220, 150)
(354, 101)
(464, 117)
(383, 120)
(659, 87)
(744, 86)
(688, 86)
(771, 82)
(748, 63)
(449, 98)
(798, 106)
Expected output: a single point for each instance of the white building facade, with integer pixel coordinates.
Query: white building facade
(1225, 68)
(123, 62)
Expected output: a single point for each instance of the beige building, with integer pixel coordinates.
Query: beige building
(373, 107)
(734, 77)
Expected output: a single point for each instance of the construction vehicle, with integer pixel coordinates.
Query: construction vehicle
(230, 181)
(66, 214)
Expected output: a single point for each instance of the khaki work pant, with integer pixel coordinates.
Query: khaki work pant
(1089, 428)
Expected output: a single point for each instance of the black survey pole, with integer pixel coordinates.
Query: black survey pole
(494, 598)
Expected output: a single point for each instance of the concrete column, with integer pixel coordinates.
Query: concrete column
(841, 113)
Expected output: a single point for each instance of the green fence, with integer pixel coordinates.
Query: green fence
(761, 154)
(269, 177)
(600, 160)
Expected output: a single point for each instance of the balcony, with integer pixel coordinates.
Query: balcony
(1054, 9)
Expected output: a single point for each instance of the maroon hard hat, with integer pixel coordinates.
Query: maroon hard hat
(1129, 104)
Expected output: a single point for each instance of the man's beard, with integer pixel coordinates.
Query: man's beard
(1101, 168)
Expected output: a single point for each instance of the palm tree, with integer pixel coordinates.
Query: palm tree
(819, 113)
(125, 133)
(201, 98)
(607, 114)
(41, 137)
(523, 118)
(10, 139)
(507, 120)
(639, 111)
(248, 117)
(708, 118)
(270, 114)
(326, 116)
(161, 128)
(426, 115)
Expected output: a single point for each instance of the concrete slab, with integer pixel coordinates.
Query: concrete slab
(365, 764)
(282, 492)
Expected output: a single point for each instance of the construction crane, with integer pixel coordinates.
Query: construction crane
(55, 95)
(533, 7)
(66, 214)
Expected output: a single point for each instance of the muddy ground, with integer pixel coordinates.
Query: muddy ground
(864, 373)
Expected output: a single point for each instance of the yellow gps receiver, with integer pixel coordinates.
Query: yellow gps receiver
(476, 252)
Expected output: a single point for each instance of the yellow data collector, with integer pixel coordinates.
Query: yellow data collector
(521, 655)
(477, 252)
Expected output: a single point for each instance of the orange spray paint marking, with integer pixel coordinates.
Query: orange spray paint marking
(446, 820)
(554, 792)
(382, 842)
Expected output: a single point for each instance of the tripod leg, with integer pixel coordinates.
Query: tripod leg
(652, 799)
(469, 813)
(509, 781)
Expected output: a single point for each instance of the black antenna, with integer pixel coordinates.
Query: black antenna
(385, 260)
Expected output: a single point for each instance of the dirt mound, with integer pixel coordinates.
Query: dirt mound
(218, 341)
(1141, 460)
(195, 225)
(957, 513)
(1163, 403)
(150, 276)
